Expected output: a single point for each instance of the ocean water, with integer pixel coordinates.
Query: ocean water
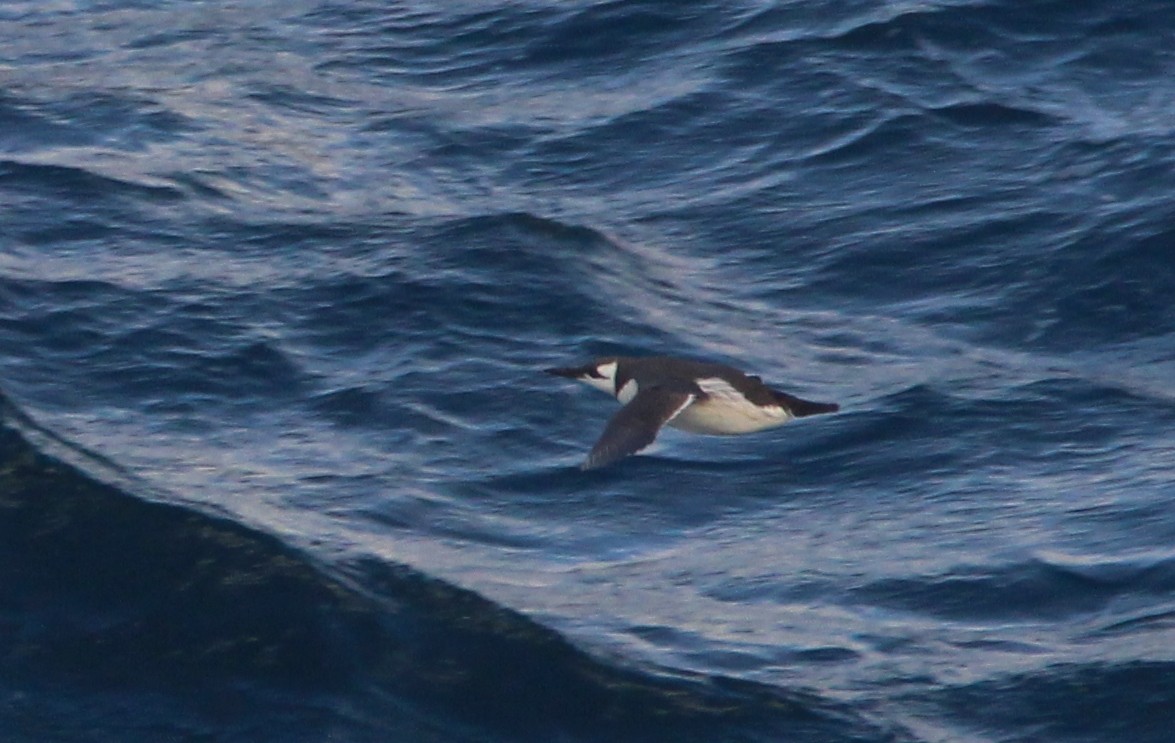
(278, 280)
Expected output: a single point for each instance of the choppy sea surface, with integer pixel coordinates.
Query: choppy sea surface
(278, 462)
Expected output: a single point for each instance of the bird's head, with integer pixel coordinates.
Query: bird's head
(600, 373)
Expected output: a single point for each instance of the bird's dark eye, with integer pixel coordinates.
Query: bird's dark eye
(595, 372)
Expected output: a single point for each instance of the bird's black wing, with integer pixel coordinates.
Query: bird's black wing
(637, 424)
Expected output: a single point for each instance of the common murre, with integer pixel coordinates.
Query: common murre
(695, 396)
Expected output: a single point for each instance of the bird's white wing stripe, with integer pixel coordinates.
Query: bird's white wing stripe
(718, 388)
(689, 399)
(721, 390)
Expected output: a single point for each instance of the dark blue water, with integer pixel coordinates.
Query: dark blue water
(277, 462)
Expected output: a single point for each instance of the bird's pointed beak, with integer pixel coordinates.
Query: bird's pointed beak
(563, 371)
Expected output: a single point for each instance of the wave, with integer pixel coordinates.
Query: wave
(79, 183)
(115, 598)
(1122, 701)
(1034, 589)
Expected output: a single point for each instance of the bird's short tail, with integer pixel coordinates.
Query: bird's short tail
(801, 408)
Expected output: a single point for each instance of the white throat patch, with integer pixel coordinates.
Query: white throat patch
(627, 392)
(607, 383)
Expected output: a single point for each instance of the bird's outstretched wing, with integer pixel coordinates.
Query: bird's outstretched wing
(637, 424)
